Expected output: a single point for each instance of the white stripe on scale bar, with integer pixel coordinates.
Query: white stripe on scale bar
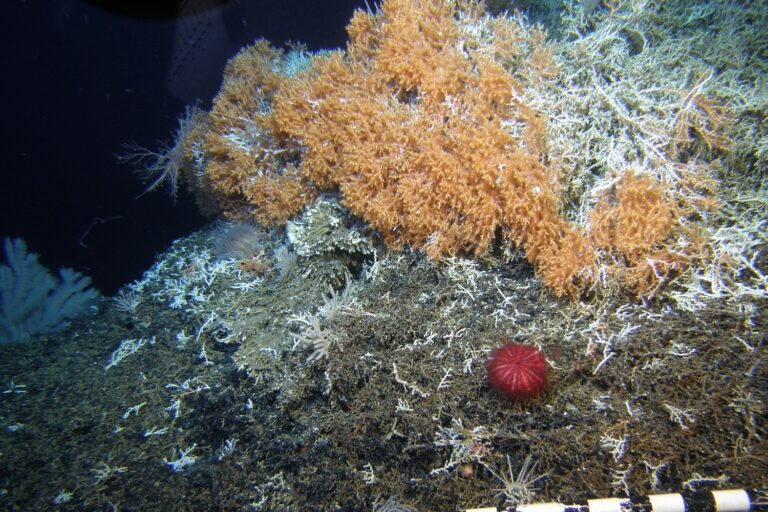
(735, 500)
(673, 502)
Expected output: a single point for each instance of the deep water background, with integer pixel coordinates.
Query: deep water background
(80, 80)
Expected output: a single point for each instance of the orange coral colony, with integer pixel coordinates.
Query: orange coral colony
(412, 129)
(421, 128)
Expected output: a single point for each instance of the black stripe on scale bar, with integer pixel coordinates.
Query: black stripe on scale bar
(699, 501)
(643, 504)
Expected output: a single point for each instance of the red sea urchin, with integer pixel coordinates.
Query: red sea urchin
(517, 371)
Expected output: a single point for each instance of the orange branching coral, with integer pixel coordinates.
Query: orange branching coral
(422, 128)
(418, 49)
(637, 218)
(414, 129)
(568, 263)
(246, 166)
(634, 224)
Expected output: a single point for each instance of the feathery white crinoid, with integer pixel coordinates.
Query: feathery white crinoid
(518, 489)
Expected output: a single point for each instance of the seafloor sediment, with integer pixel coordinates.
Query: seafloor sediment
(253, 389)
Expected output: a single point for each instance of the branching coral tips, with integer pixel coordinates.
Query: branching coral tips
(517, 371)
